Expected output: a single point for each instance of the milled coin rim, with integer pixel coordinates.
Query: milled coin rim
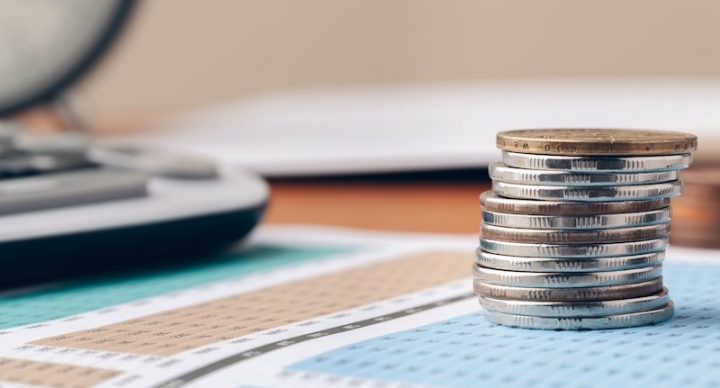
(548, 264)
(598, 221)
(575, 236)
(596, 141)
(590, 193)
(609, 164)
(565, 279)
(622, 291)
(554, 309)
(492, 202)
(583, 323)
(499, 171)
(573, 251)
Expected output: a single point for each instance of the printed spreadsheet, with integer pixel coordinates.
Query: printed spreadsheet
(301, 306)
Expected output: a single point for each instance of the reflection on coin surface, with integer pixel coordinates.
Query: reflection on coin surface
(600, 221)
(596, 141)
(589, 194)
(570, 294)
(576, 236)
(572, 251)
(576, 309)
(597, 164)
(583, 323)
(501, 172)
(549, 264)
(565, 280)
(492, 202)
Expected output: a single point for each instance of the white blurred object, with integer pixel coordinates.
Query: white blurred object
(430, 127)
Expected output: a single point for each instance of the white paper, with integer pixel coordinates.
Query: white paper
(425, 127)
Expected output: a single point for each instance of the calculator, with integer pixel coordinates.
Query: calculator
(68, 207)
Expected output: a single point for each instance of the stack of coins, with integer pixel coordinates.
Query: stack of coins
(696, 218)
(575, 230)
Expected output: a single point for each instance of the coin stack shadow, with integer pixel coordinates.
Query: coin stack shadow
(576, 242)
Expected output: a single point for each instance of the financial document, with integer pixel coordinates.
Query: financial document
(301, 306)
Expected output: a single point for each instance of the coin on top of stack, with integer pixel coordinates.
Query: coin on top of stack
(575, 229)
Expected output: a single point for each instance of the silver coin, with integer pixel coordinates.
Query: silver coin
(572, 251)
(545, 264)
(492, 202)
(576, 309)
(623, 291)
(579, 236)
(600, 221)
(583, 323)
(565, 279)
(155, 162)
(503, 173)
(592, 193)
(600, 163)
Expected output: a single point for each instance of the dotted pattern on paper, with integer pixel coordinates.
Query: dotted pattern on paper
(76, 298)
(469, 351)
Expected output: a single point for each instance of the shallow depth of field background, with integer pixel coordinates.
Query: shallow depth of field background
(183, 54)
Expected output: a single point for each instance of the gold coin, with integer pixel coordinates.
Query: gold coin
(596, 141)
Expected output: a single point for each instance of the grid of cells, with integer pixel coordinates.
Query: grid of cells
(195, 326)
(38, 373)
(469, 351)
(64, 300)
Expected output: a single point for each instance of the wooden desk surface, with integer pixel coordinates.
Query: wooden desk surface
(444, 207)
(402, 206)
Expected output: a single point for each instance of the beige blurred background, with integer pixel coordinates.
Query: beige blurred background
(182, 54)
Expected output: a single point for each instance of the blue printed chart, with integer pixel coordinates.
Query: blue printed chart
(323, 307)
(467, 350)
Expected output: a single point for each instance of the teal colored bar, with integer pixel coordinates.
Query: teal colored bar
(79, 297)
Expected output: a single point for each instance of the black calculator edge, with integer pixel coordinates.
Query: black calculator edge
(76, 255)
